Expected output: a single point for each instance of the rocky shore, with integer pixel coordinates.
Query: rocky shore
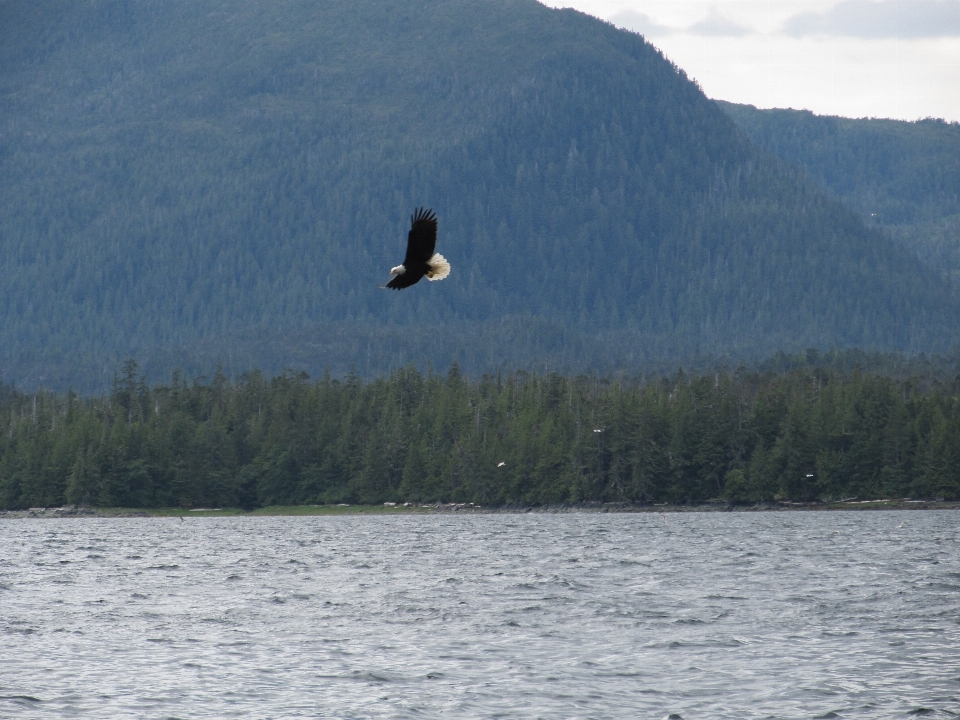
(74, 511)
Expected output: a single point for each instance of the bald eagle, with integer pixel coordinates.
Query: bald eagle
(420, 259)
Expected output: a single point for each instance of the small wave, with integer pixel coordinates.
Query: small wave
(373, 677)
(20, 631)
(725, 597)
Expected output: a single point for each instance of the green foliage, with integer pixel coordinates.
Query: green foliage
(201, 181)
(901, 176)
(522, 438)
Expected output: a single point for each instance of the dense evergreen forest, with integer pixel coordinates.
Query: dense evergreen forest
(230, 180)
(901, 176)
(746, 436)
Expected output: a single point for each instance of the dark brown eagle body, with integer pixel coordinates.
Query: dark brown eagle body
(420, 260)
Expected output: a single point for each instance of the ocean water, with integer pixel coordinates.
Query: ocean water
(712, 615)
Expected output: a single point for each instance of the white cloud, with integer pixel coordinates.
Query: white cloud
(714, 25)
(717, 25)
(640, 23)
(904, 19)
(856, 73)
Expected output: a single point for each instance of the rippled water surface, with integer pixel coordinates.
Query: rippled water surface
(719, 615)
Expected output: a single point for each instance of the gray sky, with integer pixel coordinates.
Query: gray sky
(856, 58)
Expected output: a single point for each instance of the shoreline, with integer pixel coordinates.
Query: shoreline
(69, 511)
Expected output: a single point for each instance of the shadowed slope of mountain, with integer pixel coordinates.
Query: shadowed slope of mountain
(231, 180)
(901, 176)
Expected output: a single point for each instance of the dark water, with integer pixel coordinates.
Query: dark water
(734, 615)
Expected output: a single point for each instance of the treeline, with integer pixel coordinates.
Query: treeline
(520, 438)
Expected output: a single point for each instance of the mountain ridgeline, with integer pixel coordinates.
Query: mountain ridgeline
(187, 182)
(903, 177)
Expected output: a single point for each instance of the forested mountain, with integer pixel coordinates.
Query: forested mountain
(901, 176)
(231, 179)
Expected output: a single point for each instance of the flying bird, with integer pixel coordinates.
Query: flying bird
(420, 259)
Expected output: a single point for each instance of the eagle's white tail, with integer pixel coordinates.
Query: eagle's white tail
(439, 267)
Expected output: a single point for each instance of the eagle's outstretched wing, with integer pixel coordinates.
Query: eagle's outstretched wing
(399, 282)
(422, 239)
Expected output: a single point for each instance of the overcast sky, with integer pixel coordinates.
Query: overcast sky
(856, 58)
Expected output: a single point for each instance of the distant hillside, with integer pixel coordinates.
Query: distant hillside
(901, 176)
(194, 181)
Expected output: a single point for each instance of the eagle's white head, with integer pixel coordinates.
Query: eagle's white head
(398, 270)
